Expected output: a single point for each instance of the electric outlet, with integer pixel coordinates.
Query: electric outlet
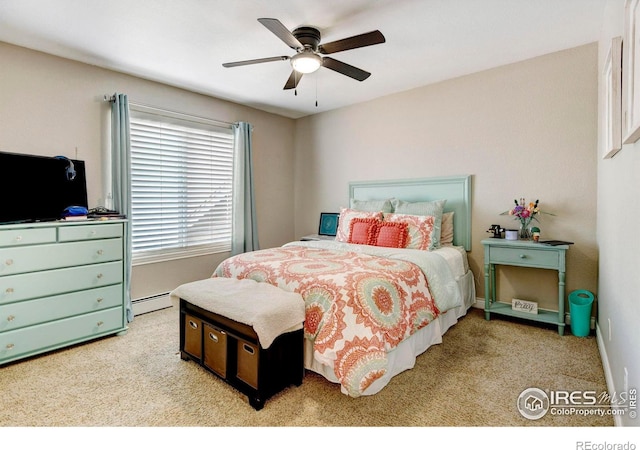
(626, 380)
(609, 321)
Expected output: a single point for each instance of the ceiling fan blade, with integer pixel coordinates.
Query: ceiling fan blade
(345, 69)
(255, 61)
(276, 27)
(293, 80)
(361, 40)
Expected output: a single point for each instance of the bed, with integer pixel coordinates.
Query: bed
(390, 285)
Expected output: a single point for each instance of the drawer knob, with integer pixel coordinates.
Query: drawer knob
(18, 238)
(523, 256)
(9, 291)
(99, 300)
(10, 346)
(100, 323)
(99, 276)
(213, 337)
(9, 262)
(193, 325)
(100, 252)
(11, 318)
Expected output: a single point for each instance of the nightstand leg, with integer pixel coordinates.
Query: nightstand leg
(487, 292)
(561, 276)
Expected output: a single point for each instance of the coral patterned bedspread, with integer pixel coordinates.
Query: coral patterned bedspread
(358, 306)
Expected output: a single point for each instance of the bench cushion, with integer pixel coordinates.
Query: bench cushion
(270, 310)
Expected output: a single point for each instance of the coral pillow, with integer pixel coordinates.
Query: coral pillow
(391, 234)
(421, 230)
(362, 231)
(346, 216)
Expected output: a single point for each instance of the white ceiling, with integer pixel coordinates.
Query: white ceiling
(184, 42)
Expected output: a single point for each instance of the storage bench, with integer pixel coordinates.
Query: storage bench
(231, 349)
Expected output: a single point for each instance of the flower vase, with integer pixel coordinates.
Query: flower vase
(524, 234)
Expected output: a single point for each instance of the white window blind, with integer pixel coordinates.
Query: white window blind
(181, 186)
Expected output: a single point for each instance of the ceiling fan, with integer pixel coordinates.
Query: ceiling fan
(309, 52)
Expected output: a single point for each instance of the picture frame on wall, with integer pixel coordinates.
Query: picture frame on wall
(631, 72)
(612, 76)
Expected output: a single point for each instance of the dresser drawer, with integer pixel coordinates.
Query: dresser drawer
(46, 309)
(27, 286)
(525, 257)
(27, 236)
(20, 343)
(16, 260)
(86, 232)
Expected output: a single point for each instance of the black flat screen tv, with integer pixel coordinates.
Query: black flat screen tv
(39, 188)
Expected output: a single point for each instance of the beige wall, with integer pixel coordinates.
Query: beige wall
(523, 130)
(53, 106)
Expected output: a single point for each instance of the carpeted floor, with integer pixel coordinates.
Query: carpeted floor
(472, 379)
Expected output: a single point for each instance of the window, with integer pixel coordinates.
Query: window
(181, 185)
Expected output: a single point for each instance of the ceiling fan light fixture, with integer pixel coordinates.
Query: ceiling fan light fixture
(306, 62)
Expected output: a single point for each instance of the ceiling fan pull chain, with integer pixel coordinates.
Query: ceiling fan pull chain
(316, 77)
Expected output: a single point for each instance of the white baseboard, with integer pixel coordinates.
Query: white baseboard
(149, 304)
(608, 376)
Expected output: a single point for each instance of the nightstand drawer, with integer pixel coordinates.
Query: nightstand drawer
(525, 257)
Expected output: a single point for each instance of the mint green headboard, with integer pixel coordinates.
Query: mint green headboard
(455, 189)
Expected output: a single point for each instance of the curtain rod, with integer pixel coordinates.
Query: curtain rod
(112, 98)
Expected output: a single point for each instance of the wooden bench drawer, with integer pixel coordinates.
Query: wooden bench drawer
(248, 363)
(215, 349)
(193, 336)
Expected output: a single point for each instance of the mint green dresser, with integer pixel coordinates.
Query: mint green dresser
(61, 283)
(524, 254)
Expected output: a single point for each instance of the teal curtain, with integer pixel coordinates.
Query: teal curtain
(121, 180)
(244, 227)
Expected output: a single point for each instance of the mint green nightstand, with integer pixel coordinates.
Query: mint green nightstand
(524, 254)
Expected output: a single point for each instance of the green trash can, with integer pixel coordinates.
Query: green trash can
(580, 303)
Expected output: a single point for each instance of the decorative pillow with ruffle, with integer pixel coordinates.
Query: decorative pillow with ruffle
(391, 234)
(362, 231)
(344, 221)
